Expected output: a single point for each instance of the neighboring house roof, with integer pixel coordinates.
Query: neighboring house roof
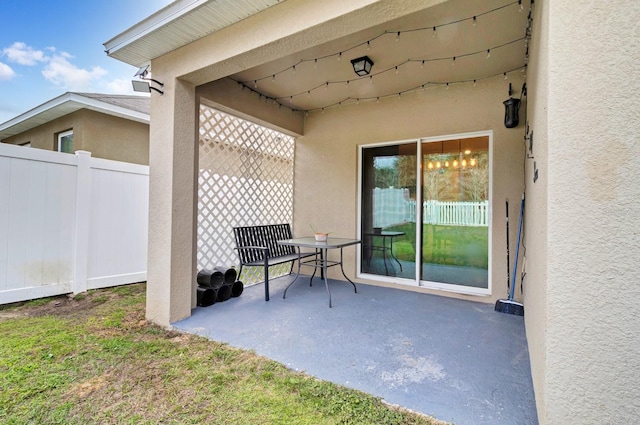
(177, 25)
(134, 108)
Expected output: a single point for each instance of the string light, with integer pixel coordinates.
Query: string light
(433, 29)
(475, 21)
(422, 61)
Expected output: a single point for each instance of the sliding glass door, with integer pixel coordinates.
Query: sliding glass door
(425, 213)
(455, 212)
(388, 213)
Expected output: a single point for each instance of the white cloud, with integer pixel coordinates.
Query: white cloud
(24, 55)
(120, 86)
(6, 73)
(63, 73)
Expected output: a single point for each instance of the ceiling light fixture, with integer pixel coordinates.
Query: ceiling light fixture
(362, 66)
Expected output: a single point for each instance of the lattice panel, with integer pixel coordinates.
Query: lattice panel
(246, 178)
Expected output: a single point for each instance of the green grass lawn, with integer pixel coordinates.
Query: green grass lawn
(447, 245)
(94, 359)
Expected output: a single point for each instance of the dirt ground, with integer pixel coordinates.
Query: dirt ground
(79, 305)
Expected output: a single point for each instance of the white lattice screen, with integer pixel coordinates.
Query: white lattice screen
(246, 178)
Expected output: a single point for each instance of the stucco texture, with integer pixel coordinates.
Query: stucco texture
(586, 343)
(326, 168)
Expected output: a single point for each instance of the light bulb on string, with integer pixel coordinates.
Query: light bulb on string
(453, 61)
(422, 65)
(430, 165)
(339, 55)
(433, 34)
(464, 163)
(398, 36)
(475, 21)
(505, 75)
(377, 100)
(447, 86)
(488, 53)
(293, 68)
(255, 84)
(473, 162)
(368, 45)
(315, 63)
(397, 71)
(521, 5)
(475, 83)
(273, 78)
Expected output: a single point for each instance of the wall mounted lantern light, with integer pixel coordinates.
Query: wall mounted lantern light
(362, 66)
(144, 86)
(511, 108)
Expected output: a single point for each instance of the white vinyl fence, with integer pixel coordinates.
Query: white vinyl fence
(69, 223)
(393, 206)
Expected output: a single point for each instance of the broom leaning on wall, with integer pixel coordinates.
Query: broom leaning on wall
(510, 306)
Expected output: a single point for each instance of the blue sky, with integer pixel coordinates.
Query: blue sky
(49, 47)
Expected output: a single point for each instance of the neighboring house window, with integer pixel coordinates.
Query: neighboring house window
(65, 141)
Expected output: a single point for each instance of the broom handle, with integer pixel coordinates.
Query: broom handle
(508, 259)
(515, 263)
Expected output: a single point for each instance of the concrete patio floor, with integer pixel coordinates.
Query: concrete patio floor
(458, 361)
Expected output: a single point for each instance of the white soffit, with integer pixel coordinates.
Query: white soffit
(177, 25)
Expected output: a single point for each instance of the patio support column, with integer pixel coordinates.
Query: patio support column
(172, 203)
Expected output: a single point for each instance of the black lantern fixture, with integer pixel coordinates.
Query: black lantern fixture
(362, 66)
(511, 108)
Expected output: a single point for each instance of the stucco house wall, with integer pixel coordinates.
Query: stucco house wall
(581, 219)
(582, 254)
(105, 136)
(329, 148)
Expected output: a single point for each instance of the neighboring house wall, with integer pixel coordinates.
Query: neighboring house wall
(582, 320)
(105, 136)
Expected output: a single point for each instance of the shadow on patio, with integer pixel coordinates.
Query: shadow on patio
(456, 360)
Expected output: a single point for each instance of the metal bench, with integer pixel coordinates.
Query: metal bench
(257, 246)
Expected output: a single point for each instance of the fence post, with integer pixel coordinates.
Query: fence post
(82, 221)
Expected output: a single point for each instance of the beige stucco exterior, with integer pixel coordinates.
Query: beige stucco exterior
(582, 245)
(329, 148)
(581, 297)
(105, 136)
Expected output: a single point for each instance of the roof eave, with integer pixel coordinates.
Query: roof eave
(169, 13)
(29, 119)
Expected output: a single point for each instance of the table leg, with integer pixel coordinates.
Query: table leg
(384, 254)
(324, 271)
(294, 279)
(345, 276)
(391, 253)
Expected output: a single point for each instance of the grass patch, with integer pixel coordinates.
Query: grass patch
(96, 360)
(464, 246)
